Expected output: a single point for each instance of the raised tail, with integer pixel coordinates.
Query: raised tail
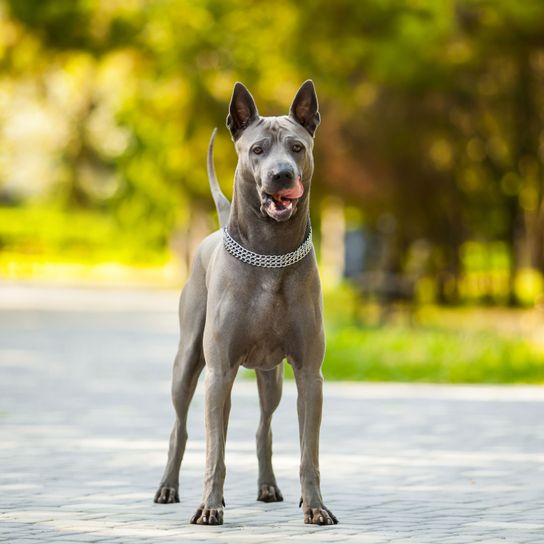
(221, 202)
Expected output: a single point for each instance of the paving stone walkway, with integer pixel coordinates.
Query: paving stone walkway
(85, 416)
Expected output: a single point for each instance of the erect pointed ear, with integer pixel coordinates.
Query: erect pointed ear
(242, 110)
(305, 109)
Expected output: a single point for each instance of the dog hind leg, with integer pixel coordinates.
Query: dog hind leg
(188, 365)
(269, 383)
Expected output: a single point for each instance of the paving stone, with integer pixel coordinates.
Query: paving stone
(85, 417)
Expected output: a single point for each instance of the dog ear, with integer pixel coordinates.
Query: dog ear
(305, 109)
(242, 110)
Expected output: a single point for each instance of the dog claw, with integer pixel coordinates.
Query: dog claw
(196, 516)
(166, 495)
(207, 516)
(319, 516)
(269, 493)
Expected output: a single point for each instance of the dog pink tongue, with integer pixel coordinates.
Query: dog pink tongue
(288, 194)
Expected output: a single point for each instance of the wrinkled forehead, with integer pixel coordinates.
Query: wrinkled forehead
(276, 129)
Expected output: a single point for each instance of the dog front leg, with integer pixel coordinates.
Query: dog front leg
(218, 385)
(310, 404)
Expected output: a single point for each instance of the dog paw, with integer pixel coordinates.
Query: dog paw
(166, 495)
(207, 516)
(319, 516)
(269, 493)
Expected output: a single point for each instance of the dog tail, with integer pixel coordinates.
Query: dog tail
(221, 201)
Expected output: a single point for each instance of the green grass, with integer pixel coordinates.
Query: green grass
(425, 354)
(464, 345)
(77, 236)
(47, 244)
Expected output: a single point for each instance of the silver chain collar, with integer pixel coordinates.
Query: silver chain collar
(266, 261)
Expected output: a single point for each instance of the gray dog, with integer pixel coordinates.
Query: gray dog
(253, 299)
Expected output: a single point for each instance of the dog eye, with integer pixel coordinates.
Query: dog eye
(297, 148)
(257, 150)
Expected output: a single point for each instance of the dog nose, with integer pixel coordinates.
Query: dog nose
(286, 174)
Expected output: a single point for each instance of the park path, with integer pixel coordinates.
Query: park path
(85, 416)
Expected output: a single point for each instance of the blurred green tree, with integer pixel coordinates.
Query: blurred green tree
(432, 111)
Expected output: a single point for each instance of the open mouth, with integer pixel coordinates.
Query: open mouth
(282, 204)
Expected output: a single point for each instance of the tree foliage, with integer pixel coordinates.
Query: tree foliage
(432, 111)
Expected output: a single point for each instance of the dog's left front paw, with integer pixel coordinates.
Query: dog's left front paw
(319, 516)
(207, 516)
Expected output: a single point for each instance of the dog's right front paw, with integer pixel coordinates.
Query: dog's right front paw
(319, 516)
(166, 495)
(207, 516)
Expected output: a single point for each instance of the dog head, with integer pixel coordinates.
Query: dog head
(275, 160)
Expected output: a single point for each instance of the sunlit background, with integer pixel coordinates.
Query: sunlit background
(428, 195)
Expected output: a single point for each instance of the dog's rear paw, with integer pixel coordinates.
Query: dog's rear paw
(207, 516)
(269, 493)
(166, 495)
(319, 516)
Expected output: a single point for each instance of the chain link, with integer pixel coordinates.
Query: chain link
(266, 261)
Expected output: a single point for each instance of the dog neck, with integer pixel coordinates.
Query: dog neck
(260, 233)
